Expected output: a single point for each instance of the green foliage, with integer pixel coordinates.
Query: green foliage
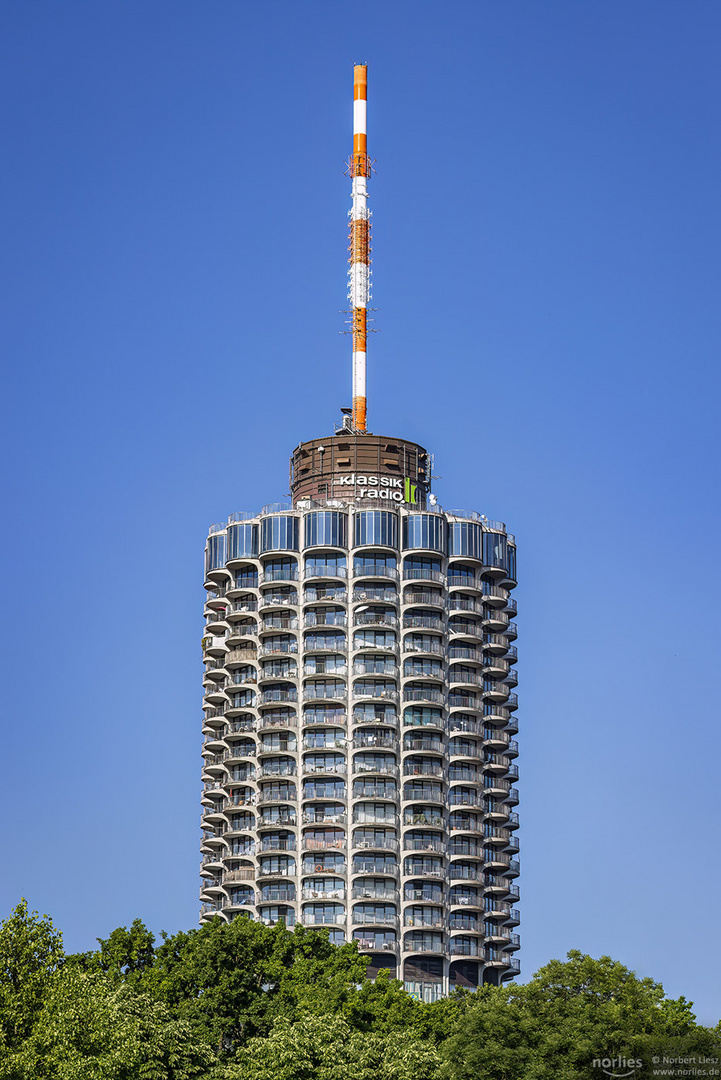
(231, 981)
(30, 950)
(244, 1001)
(327, 1048)
(88, 1030)
(567, 1016)
(127, 953)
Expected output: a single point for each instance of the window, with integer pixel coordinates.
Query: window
(424, 531)
(328, 527)
(376, 527)
(370, 713)
(375, 864)
(420, 716)
(380, 639)
(242, 541)
(465, 538)
(215, 551)
(246, 578)
(324, 789)
(494, 549)
(277, 864)
(325, 565)
(279, 533)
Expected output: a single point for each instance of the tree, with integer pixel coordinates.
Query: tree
(327, 1048)
(127, 953)
(89, 1029)
(231, 981)
(30, 951)
(567, 1016)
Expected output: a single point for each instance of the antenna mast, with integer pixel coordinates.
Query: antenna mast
(359, 272)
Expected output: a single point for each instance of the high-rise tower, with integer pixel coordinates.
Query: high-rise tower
(359, 750)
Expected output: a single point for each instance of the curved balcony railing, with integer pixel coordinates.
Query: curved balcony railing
(423, 622)
(325, 572)
(438, 697)
(413, 574)
(279, 573)
(422, 768)
(375, 570)
(425, 599)
(376, 596)
(318, 693)
(374, 618)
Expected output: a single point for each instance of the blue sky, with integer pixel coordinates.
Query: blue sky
(546, 257)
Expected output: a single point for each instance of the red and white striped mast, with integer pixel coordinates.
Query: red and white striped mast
(359, 272)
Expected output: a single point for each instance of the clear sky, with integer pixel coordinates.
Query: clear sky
(546, 256)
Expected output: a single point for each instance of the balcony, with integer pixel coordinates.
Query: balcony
(277, 720)
(309, 743)
(412, 574)
(243, 873)
(424, 947)
(433, 648)
(464, 873)
(310, 843)
(495, 692)
(275, 600)
(335, 769)
(375, 596)
(273, 623)
(282, 796)
(376, 693)
(423, 622)
(424, 742)
(495, 666)
(379, 768)
(431, 821)
(325, 618)
(465, 948)
(496, 620)
(329, 571)
(375, 618)
(463, 581)
(427, 872)
(272, 769)
(457, 603)
(363, 740)
(363, 892)
(424, 599)
(325, 693)
(267, 696)
(410, 844)
(370, 667)
(375, 844)
(435, 697)
(373, 791)
(278, 573)
(374, 920)
(276, 844)
(461, 748)
(309, 893)
(465, 652)
(369, 945)
(323, 920)
(422, 768)
(339, 671)
(375, 570)
(469, 702)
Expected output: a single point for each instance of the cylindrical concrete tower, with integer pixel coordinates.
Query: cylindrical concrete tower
(360, 718)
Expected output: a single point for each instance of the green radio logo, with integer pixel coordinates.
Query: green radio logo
(410, 491)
